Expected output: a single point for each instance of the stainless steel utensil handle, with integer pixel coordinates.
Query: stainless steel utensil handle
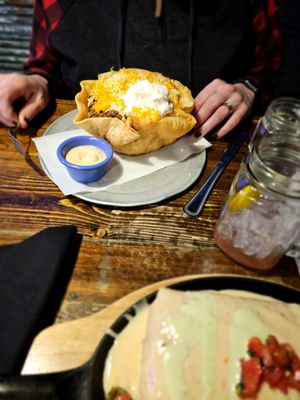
(12, 132)
(194, 207)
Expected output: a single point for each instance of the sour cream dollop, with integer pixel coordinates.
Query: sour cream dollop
(149, 96)
(85, 155)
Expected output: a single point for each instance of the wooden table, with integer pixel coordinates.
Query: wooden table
(123, 249)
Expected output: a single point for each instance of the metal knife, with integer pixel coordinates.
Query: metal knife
(195, 206)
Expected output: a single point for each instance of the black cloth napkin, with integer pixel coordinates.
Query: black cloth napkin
(33, 278)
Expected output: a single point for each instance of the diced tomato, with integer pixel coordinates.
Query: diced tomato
(294, 362)
(287, 347)
(122, 396)
(281, 357)
(283, 385)
(256, 346)
(272, 343)
(274, 363)
(293, 382)
(273, 375)
(259, 349)
(251, 377)
(118, 393)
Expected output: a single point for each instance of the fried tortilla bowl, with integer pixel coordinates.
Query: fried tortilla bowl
(135, 133)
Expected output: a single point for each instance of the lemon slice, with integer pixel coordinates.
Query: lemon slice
(244, 198)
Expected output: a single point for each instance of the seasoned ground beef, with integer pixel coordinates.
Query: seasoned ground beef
(108, 113)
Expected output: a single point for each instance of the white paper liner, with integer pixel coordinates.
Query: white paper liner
(121, 169)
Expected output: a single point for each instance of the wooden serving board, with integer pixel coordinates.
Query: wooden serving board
(70, 344)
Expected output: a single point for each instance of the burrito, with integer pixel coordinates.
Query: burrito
(208, 345)
(135, 110)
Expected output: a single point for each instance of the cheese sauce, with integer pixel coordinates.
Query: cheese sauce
(191, 343)
(127, 352)
(85, 155)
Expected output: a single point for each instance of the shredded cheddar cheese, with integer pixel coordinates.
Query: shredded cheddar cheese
(146, 113)
(108, 94)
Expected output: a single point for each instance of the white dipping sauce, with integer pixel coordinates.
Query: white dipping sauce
(85, 155)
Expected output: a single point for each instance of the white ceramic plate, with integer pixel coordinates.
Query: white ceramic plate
(149, 189)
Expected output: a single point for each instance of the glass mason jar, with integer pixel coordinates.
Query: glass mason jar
(281, 117)
(260, 221)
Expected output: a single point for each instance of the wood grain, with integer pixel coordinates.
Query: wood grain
(123, 249)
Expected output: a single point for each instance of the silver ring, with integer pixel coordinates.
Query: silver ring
(229, 106)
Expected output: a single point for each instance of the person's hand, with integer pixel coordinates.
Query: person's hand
(32, 90)
(221, 102)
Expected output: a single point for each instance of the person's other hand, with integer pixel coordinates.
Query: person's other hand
(221, 102)
(32, 90)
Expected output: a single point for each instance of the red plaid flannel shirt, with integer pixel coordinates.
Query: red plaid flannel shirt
(42, 57)
(45, 61)
(268, 58)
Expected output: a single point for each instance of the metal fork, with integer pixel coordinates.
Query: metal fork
(12, 132)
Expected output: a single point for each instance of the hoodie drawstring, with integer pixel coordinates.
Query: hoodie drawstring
(158, 8)
(158, 12)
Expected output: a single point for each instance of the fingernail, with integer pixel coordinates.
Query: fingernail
(195, 130)
(214, 136)
(200, 133)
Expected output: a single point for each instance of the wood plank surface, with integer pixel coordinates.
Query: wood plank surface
(123, 249)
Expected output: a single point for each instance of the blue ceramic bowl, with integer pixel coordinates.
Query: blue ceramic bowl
(85, 173)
